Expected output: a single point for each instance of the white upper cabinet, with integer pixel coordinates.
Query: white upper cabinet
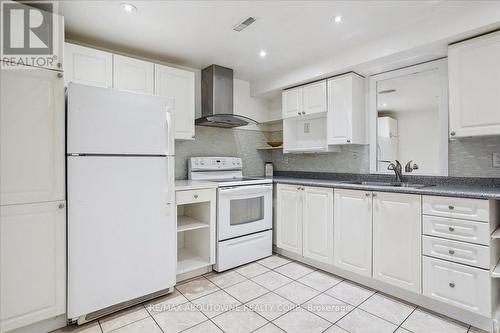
(292, 102)
(353, 231)
(133, 74)
(289, 218)
(32, 149)
(318, 224)
(179, 84)
(314, 98)
(33, 263)
(88, 66)
(397, 239)
(346, 110)
(474, 81)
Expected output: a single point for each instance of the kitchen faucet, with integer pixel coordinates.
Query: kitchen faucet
(398, 169)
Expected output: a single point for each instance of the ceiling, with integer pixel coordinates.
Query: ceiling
(293, 33)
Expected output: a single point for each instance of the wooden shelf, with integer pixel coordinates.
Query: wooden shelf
(269, 148)
(496, 234)
(188, 261)
(185, 223)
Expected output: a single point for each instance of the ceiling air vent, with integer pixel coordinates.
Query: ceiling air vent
(244, 24)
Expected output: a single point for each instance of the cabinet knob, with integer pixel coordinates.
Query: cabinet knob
(298, 113)
(374, 194)
(452, 133)
(367, 194)
(451, 229)
(196, 196)
(450, 207)
(348, 141)
(452, 285)
(450, 251)
(59, 75)
(61, 206)
(303, 112)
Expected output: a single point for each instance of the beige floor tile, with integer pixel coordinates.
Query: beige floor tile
(421, 321)
(239, 320)
(294, 270)
(180, 318)
(146, 325)
(197, 288)
(320, 280)
(271, 306)
(328, 307)
(251, 270)
(297, 292)
(274, 261)
(350, 292)
(205, 327)
(476, 330)
(269, 328)
(335, 329)
(301, 321)
(401, 330)
(123, 318)
(165, 302)
(359, 321)
(271, 280)
(388, 308)
(225, 279)
(92, 327)
(246, 291)
(216, 303)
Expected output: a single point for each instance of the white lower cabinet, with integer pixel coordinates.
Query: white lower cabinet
(459, 285)
(397, 239)
(318, 224)
(33, 263)
(305, 221)
(352, 244)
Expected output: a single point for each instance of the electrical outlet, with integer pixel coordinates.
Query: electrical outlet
(496, 160)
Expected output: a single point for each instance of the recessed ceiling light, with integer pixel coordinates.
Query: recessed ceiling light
(262, 54)
(338, 19)
(129, 8)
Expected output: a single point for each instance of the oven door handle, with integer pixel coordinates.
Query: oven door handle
(252, 189)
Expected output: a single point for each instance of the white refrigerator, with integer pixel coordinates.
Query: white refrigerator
(121, 213)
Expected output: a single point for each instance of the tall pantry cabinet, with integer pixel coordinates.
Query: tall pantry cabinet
(32, 186)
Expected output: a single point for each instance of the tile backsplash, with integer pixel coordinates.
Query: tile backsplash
(468, 157)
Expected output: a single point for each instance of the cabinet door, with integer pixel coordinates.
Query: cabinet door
(340, 110)
(292, 102)
(33, 263)
(133, 74)
(88, 66)
(289, 226)
(315, 97)
(318, 224)
(397, 237)
(179, 84)
(32, 136)
(352, 231)
(474, 78)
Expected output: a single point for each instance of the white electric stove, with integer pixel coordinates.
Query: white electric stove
(244, 210)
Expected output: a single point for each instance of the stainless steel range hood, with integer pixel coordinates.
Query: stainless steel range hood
(217, 99)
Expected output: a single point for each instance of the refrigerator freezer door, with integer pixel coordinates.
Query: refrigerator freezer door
(121, 230)
(108, 121)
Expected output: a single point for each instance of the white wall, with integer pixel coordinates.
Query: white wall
(258, 109)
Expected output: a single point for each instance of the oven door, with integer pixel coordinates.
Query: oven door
(243, 210)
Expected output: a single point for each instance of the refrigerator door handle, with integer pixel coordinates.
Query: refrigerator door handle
(170, 130)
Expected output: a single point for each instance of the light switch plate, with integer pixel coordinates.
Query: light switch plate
(496, 160)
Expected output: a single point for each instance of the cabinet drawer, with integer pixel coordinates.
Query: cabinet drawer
(193, 196)
(465, 253)
(455, 229)
(470, 209)
(458, 285)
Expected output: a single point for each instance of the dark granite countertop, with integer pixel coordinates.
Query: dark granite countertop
(477, 188)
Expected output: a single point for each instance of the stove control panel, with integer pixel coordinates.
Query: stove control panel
(215, 163)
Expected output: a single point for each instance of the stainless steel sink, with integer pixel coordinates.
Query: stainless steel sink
(390, 184)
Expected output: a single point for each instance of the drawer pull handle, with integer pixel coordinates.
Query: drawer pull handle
(196, 196)
(452, 285)
(451, 207)
(450, 251)
(451, 229)
(367, 194)
(61, 206)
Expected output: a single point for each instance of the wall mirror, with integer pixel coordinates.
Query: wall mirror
(408, 115)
